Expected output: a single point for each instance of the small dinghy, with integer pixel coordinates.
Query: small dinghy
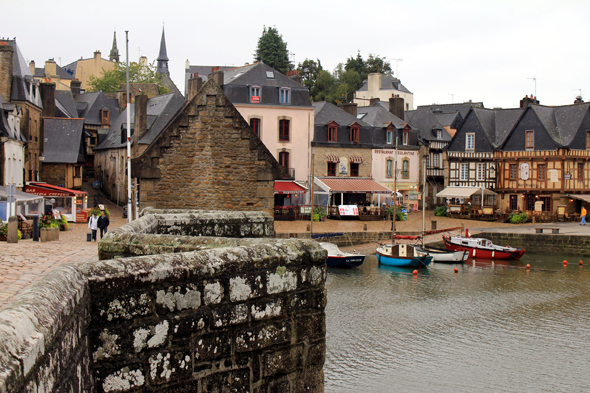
(444, 256)
(337, 258)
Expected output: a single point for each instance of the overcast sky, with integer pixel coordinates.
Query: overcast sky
(451, 51)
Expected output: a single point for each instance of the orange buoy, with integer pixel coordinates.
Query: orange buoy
(564, 262)
(456, 270)
(415, 272)
(581, 262)
(528, 266)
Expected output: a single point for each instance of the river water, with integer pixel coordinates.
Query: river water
(491, 327)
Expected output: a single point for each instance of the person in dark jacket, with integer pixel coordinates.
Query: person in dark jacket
(103, 223)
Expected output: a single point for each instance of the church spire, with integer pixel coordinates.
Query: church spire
(162, 67)
(114, 56)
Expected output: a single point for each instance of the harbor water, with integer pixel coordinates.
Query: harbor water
(491, 327)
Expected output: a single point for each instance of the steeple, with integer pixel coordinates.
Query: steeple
(162, 67)
(114, 56)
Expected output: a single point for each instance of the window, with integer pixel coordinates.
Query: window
(435, 162)
(331, 169)
(580, 171)
(587, 139)
(389, 137)
(470, 142)
(255, 124)
(284, 159)
(428, 161)
(546, 204)
(77, 171)
(354, 169)
(389, 168)
(530, 202)
(255, 94)
(481, 171)
(406, 169)
(332, 133)
(284, 130)
(490, 200)
(513, 202)
(438, 134)
(104, 115)
(92, 141)
(530, 140)
(406, 137)
(541, 172)
(285, 95)
(464, 172)
(513, 172)
(355, 134)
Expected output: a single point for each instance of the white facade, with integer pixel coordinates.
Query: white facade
(374, 91)
(408, 172)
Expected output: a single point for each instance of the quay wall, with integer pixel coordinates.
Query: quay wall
(546, 243)
(211, 314)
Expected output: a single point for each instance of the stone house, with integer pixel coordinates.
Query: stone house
(383, 87)
(207, 157)
(12, 145)
(53, 73)
(83, 69)
(64, 152)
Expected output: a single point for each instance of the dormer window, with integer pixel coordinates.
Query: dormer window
(438, 134)
(389, 134)
(333, 132)
(406, 137)
(255, 92)
(587, 139)
(529, 140)
(355, 132)
(285, 95)
(105, 117)
(470, 141)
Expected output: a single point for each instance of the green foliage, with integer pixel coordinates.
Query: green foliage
(440, 211)
(96, 210)
(316, 217)
(4, 231)
(63, 224)
(320, 211)
(111, 80)
(374, 63)
(515, 218)
(272, 50)
(309, 71)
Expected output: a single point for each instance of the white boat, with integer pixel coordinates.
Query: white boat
(444, 256)
(338, 258)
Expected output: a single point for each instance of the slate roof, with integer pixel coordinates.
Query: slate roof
(63, 73)
(160, 110)
(65, 104)
(562, 122)
(325, 113)
(376, 115)
(22, 79)
(425, 121)
(447, 119)
(5, 130)
(89, 106)
(203, 72)
(497, 123)
(461, 108)
(63, 140)
(388, 82)
(255, 74)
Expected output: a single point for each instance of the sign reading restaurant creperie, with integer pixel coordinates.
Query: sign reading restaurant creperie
(45, 192)
(399, 152)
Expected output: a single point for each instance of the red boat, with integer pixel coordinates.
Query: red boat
(481, 248)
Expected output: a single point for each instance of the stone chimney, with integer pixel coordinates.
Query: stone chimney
(526, 101)
(374, 101)
(32, 67)
(140, 122)
(75, 86)
(194, 85)
(48, 99)
(294, 74)
(396, 106)
(217, 76)
(579, 100)
(6, 53)
(350, 108)
(97, 55)
(374, 82)
(50, 68)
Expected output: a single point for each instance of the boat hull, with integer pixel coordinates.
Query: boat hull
(345, 261)
(479, 252)
(415, 262)
(447, 257)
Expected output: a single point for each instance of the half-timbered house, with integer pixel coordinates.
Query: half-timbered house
(544, 163)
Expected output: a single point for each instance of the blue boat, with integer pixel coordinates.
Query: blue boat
(402, 255)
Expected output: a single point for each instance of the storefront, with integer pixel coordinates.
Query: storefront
(70, 203)
(467, 200)
(289, 193)
(26, 204)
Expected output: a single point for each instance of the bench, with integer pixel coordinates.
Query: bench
(553, 230)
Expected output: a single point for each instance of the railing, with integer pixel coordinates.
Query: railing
(435, 172)
(289, 173)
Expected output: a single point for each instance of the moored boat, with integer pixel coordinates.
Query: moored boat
(444, 256)
(338, 258)
(402, 255)
(481, 248)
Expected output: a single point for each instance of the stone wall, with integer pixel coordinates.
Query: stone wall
(542, 243)
(237, 314)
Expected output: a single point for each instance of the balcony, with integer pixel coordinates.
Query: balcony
(289, 173)
(433, 172)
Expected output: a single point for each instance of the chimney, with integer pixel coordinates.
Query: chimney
(350, 108)
(50, 68)
(140, 121)
(6, 53)
(294, 75)
(374, 101)
(396, 106)
(526, 101)
(32, 67)
(374, 83)
(48, 99)
(194, 85)
(579, 100)
(75, 87)
(97, 55)
(217, 76)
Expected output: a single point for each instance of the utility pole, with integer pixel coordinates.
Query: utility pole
(129, 210)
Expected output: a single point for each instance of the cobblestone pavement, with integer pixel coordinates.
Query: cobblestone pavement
(28, 261)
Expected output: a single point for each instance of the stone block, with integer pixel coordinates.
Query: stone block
(212, 346)
(228, 381)
(283, 361)
(12, 233)
(169, 366)
(229, 316)
(263, 336)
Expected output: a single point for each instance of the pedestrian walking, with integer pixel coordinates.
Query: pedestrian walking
(93, 225)
(103, 223)
(583, 214)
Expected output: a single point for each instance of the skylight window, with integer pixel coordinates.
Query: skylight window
(361, 115)
(270, 74)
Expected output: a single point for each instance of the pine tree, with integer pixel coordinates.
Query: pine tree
(272, 50)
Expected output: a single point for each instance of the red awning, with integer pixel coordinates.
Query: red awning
(353, 186)
(45, 189)
(330, 158)
(356, 160)
(288, 187)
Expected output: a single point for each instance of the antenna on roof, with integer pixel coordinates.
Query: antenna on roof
(535, 79)
(452, 98)
(396, 66)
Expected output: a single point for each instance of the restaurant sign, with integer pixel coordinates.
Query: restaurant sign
(348, 210)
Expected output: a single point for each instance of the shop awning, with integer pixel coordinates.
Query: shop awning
(463, 192)
(22, 198)
(331, 158)
(288, 187)
(581, 197)
(45, 189)
(352, 186)
(356, 160)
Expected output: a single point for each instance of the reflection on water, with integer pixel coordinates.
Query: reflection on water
(491, 327)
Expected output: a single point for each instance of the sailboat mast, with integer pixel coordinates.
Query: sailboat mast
(311, 198)
(395, 186)
(423, 199)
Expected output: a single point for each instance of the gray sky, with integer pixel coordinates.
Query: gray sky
(454, 50)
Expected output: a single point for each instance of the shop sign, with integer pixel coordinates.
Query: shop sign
(348, 210)
(568, 176)
(524, 171)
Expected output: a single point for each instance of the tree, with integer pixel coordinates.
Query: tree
(374, 63)
(309, 70)
(111, 80)
(272, 50)
(377, 64)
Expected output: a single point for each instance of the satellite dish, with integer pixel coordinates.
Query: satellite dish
(96, 184)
